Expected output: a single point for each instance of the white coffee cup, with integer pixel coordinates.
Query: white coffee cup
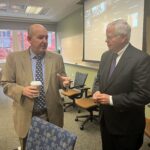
(38, 85)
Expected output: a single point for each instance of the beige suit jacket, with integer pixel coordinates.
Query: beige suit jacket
(18, 73)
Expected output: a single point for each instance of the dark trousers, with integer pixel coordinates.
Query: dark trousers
(120, 142)
(23, 143)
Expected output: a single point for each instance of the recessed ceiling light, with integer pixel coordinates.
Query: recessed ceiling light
(33, 10)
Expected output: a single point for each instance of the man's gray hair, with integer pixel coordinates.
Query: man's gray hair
(121, 27)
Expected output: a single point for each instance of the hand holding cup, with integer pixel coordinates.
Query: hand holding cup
(37, 86)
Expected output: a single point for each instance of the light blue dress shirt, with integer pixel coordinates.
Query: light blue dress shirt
(33, 61)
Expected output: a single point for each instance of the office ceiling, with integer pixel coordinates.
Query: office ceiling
(53, 10)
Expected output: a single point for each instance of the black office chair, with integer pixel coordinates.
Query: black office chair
(87, 104)
(147, 129)
(76, 91)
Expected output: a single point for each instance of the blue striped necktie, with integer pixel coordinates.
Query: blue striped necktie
(39, 103)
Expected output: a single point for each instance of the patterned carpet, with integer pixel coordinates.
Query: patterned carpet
(88, 139)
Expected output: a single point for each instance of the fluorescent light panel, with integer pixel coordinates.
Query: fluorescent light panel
(33, 10)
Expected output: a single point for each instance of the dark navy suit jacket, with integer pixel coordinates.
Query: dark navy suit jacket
(129, 86)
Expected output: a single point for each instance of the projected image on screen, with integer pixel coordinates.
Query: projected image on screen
(98, 13)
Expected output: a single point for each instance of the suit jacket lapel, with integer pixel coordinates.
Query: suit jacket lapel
(48, 69)
(27, 66)
(120, 66)
(105, 72)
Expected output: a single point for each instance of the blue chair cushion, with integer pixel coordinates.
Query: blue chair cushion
(44, 135)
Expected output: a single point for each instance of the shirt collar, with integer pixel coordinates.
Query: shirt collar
(32, 55)
(123, 50)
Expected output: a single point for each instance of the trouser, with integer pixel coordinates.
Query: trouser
(120, 142)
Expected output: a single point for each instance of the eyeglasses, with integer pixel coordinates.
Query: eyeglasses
(111, 37)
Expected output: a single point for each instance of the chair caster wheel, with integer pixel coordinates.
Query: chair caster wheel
(81, 128)
(76, 119)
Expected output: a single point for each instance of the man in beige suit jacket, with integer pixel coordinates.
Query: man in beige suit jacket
(18, 74)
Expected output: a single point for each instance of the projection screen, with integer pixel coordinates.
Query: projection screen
(98, 13)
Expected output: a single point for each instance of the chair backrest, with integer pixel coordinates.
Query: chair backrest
(44, 135)
(93, 86)
(89, 93)
(80, 79)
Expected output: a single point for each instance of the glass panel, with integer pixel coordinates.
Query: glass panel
(16, 40)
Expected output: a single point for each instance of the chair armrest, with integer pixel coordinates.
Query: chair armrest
(77, 87)
(86, 90)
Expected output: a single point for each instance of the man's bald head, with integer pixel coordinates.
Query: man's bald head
(34, 29)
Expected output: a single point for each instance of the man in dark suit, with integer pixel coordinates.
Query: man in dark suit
(121, 90)
(21, 68)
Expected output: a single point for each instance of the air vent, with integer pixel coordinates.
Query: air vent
(44, 11)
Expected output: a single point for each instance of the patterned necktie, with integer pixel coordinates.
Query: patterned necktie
(39, 103)
(113, 64)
